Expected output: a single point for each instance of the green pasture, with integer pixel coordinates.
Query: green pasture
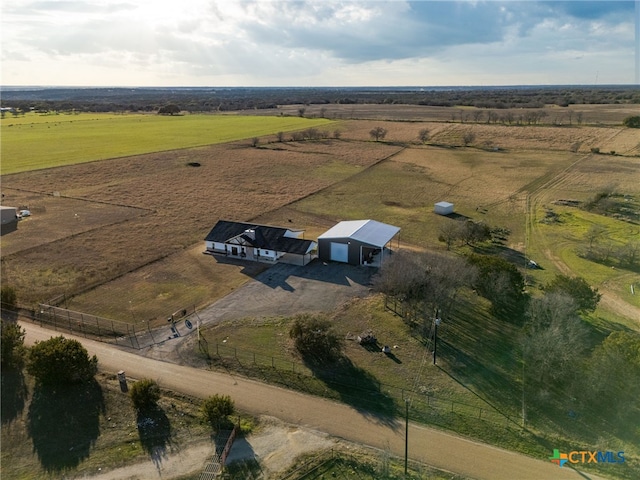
(36, 141)
(567, 237)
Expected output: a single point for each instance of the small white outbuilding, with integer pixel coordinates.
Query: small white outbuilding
(443, 208)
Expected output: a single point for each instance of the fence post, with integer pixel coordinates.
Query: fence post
(113, 330)
(69, 319)
(135, 336)
(98, 327)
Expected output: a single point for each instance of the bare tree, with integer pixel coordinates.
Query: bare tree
(554, 340)
(425, 282)
(468, 137)
(629, 253)
(280, 136)
(450, 232)
(378, 133)
(337, 134)
(477, 115)
(301, 111)
(594, 234)
(423, 135)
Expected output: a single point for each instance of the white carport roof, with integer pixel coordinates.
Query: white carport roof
(370, 232)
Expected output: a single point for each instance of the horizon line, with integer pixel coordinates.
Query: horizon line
(631, 84)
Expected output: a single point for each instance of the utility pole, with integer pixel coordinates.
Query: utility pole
(435, 339)
(406, 437)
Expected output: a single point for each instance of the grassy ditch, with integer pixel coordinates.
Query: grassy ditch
(361, 464)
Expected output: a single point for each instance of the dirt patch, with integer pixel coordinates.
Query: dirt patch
(278, 445)
(275, 447)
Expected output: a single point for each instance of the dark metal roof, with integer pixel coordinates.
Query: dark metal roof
(266, 237)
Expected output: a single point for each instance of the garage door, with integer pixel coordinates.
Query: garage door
(339, 252)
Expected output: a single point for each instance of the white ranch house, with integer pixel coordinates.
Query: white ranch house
(262, 243)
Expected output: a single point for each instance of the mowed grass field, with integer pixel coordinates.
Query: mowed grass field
(36, 141)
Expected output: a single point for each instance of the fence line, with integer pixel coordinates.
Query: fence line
(88, 326)
(423, 404)
(121, 333)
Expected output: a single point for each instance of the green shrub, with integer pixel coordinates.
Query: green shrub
(632, 121)
(13, 349)
(61, 360)
(315, 338)
(8, 297)
(586, 298)
(216, 409)
(145, 394)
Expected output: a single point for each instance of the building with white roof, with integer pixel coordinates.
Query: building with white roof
(357, 242)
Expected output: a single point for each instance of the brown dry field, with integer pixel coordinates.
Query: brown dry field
(129, 232)
(172, 206)
(591, 114)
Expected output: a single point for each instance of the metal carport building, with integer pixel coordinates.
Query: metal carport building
(357, 242)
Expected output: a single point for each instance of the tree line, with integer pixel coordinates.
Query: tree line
(232, 99)
(564, 361)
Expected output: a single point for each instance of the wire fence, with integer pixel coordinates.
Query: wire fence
(89, 326)
(350, 385)
(357, 389)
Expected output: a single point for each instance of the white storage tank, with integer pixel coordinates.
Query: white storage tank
(443, 208)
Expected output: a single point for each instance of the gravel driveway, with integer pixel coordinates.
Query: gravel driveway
(281, 290)
(289, 289)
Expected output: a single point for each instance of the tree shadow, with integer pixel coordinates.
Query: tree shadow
(154, 430)
(13, 394)
(457, 216)
(64, 423)
(355, 387)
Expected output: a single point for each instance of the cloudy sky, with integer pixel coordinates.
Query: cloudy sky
(317, 42)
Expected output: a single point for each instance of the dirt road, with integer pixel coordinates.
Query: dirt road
(433, 447)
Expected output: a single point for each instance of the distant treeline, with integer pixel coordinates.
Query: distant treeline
(229, 99)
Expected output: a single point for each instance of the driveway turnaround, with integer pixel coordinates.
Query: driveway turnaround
(426, 445)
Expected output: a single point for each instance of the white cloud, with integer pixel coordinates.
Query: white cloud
(321, 42)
